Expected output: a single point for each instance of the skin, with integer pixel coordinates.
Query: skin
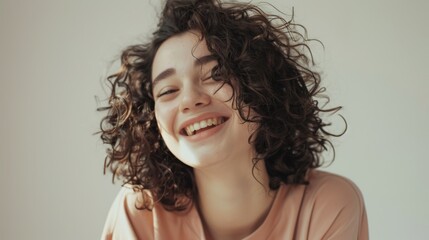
(232, 203)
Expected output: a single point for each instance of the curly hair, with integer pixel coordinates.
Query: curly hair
(269, 60)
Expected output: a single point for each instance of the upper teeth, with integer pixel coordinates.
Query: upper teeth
(190, 130)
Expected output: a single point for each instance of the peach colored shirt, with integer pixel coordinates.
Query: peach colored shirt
(330, 207)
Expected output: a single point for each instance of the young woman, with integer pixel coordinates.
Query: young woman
(214, 127)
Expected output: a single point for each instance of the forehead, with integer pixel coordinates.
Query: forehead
(179, 50)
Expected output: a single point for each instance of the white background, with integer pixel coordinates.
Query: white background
(55, 54)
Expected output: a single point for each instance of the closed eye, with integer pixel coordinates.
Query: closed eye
(170, 91)
(212, 74)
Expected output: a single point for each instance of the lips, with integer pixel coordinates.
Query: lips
(198, 126)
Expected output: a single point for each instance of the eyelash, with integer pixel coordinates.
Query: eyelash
(170, 91)
(167, 92)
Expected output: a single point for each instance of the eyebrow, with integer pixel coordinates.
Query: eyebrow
(171, 71)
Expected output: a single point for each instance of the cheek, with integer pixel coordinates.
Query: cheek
(165, 115)
(223, 94)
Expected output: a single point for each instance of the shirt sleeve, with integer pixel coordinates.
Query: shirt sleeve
(125, 221)
(338, 210)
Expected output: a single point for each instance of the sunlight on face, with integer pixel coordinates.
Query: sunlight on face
(195, 118)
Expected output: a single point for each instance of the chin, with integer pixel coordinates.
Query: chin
(199, 158)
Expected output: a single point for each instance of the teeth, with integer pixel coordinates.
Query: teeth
(197, 126)
(188, 131)
(192, 128)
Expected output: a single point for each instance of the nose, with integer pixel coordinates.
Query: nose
(194, 96)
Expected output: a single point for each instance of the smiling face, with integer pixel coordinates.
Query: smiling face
(194, 112)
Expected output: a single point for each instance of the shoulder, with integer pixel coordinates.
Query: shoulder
(323, 185)
(333, 206)
(131, 200)
(331, 194)
(127, 220)
(124, 216)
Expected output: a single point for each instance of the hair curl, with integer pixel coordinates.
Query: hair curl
(269, 60)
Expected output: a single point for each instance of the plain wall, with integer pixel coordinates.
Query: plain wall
(55, 54)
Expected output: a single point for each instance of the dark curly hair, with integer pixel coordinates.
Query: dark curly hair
(269, 60)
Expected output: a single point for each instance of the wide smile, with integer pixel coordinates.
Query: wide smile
(203, 125)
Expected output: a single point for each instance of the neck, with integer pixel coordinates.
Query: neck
(233, 202)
